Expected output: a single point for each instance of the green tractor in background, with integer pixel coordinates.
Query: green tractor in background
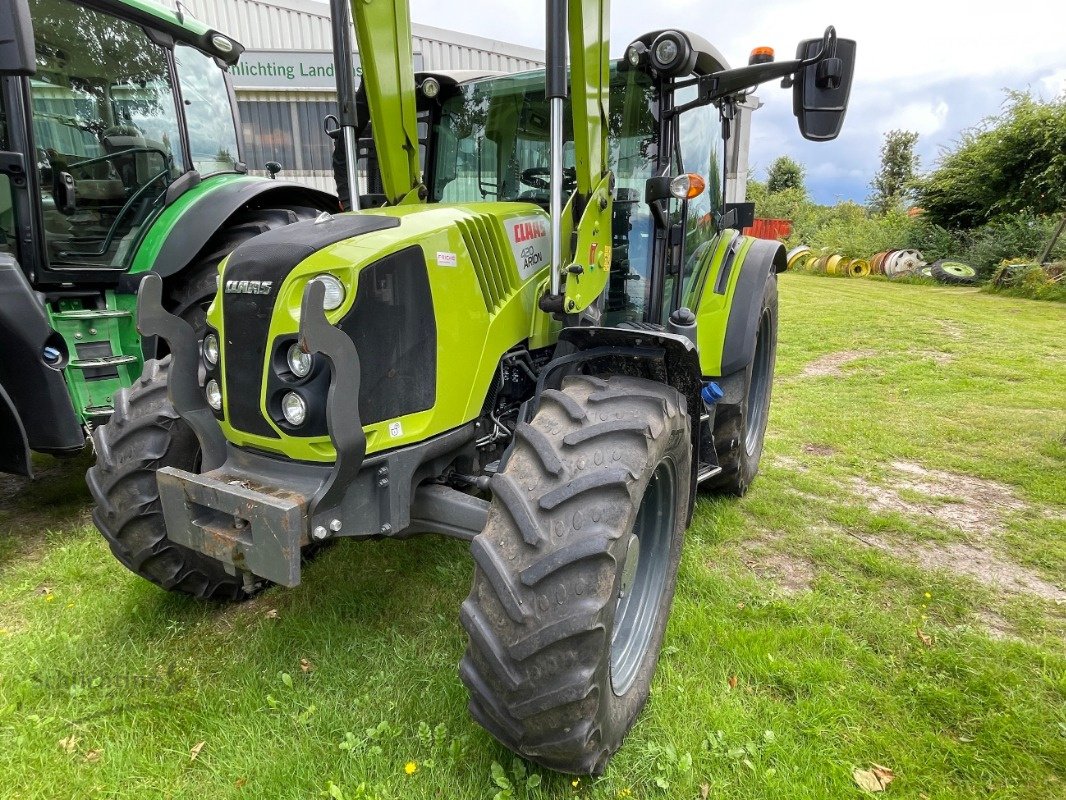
(118, 156)
(545, 342)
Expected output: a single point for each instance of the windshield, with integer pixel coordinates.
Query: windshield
(208, 113)
(106, 130)
(492, 144)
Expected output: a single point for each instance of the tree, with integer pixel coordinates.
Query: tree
(894, 182)
(1010, 164)
(784, 173)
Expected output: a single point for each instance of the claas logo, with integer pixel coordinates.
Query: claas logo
(249, 287)
(524, 231)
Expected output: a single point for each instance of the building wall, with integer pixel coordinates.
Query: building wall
(284, 123)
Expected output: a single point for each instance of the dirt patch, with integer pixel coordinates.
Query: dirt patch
(830, 364)
(938, 357)
(996, 627)
(789, 462)
(819, 450)
(791, 574)
(974, 560)
(950, 329)
(973, 505)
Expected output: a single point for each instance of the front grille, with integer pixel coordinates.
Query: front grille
(395, 332)
(484, 240)
(266, 260)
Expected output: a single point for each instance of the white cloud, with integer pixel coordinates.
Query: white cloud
(924, 117)
(1053, 85)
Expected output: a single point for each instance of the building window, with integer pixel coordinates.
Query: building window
(289, 132)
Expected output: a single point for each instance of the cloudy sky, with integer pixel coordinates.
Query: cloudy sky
(932, 66)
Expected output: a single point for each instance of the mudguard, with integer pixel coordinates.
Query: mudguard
(187, 228)
(35, 394)
(727, 297)
(14, 447)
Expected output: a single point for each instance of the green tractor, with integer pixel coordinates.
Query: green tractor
(545, 342)
(118, 157)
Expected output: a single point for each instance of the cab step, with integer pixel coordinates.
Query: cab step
(104, 361)
(92, 313)
(706, 471)
(98, 414)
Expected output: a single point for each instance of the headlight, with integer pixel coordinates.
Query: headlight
(299, 362)
(430, 87)
(672, 54)
(211, 350)
(221, 43)
(214, 394)
(666, 52)
(294, 409)
(334, 291)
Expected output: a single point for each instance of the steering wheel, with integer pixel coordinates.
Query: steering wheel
(540, 178)
(537, 177)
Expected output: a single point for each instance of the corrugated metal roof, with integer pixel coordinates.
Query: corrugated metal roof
(304, 25)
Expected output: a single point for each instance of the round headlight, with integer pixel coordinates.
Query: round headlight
(299, 361)
(666, 51)
(214, 394)
(211, 350)
(334, 291)
(294, 409)
(430, 87)
(221, 43)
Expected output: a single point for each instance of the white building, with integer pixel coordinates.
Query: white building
(284, 81)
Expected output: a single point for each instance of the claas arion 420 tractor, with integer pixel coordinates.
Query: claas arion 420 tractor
(547, 339)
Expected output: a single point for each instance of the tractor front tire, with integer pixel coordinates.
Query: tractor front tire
(740, 427)
(576, 569)
(144, 434)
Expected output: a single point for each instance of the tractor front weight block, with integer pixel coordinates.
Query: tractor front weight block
(254, 512)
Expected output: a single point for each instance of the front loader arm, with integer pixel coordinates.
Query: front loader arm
(383, 36)
(583, 258)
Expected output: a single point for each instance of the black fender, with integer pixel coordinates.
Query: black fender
(35, 393)
(195, 228)
(14, 446)
(763, 259)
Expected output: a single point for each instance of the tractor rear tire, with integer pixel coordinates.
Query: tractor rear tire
(740, 428)
(565, 621)
(144, 434)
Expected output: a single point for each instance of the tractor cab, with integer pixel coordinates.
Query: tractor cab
(116, 114)
(491, 141)
(118, 156)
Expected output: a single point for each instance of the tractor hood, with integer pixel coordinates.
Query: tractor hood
(431, 296)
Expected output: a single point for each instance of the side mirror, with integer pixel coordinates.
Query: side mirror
(273, 168)
(820, 91)
(16, 39)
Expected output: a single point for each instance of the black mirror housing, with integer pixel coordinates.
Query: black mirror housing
(17, 56)
(820, 91)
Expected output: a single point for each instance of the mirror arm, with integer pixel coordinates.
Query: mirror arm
(718, 85)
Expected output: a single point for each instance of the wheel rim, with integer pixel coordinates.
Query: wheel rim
(643, 578)
(959, 270)
(760, 384)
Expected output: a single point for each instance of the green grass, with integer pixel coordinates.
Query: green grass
(806, 592)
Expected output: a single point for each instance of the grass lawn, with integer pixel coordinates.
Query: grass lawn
(891, 591)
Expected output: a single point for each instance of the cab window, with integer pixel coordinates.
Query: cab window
(699, 151)
(208, 113)
(106, 130)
